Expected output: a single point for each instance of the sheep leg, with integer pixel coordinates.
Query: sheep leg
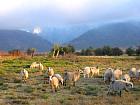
(84, 76)
(91, 74)
(64, 83)
(120, 93)
(74, 83)
(88, 75)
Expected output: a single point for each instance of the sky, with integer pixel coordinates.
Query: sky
(18, 14)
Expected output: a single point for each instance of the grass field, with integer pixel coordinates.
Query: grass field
(88, 91)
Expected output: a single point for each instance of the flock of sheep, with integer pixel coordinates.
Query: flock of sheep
(115, 78)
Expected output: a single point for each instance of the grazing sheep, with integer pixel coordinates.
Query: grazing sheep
(71, 77)
(33, 65)
(91, 70)
(117, 74)
(119, 85)
(108, 75)
(126, 77)
(94, 71)
(54, 82)
(59, 77)
(24, 75)
(40, 66)
(37, 65)
(86, 72)
(132, 72)
(50, 72)
(138, 74)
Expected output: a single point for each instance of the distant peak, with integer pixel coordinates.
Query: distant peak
(37, 30)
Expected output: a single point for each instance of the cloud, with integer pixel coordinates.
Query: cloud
(30, 13)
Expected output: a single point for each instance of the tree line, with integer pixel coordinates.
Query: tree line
(58, 50)
(109, 51)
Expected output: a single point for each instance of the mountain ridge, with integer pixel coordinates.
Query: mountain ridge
(17, 39)
(122, 34)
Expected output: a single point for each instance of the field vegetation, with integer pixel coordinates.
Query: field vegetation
(88, 91)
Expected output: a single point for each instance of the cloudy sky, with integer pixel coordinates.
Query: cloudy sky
(32, 13)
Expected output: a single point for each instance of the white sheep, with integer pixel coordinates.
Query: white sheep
(119, 85)
(24, 75)
(71, 77)
(86, 72)
(37, 65)
(132, 72)
(59, 77)
(33, 65)
(40, 66)
(91, 70)
(126, 77)
(138, 74)
(108, 75)
(117, 74)
(54, 82)
(50, 72)
(94, 71)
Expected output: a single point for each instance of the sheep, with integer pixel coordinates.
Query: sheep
(108, 75)
(116, 74)
(24, 75)
(40, 66)
(91, 70)
(59, 77)
(86, 72)
(126, 77)
(33, 65)
(138, 74)
(119, 85)
(71, 77)
(94, 71)
(132, 72)
(37, 65)
(54, 83)
(50, 72)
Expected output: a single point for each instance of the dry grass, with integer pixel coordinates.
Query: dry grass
(89, 91)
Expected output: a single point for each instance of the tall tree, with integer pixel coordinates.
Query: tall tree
(130, 51)
(56, 50)
(31, 51)
(138, 51)
(116, 51)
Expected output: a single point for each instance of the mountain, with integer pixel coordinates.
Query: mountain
(121, 34)
(64, 33)
(17, 39)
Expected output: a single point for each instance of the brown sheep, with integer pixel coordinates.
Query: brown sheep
(71, 77)
(54, 82)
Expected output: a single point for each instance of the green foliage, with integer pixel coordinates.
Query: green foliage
(130, 51)
(88, 90)
(106, 50)
(45, 96)
(31, 51)
(29, 89)
(116, 51)
(138, 51)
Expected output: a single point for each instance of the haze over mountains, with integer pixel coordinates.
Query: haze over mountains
(119, 34)
(17, 39)
(64, 33)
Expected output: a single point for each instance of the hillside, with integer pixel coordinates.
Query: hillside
(16, 39)
(116, 35)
